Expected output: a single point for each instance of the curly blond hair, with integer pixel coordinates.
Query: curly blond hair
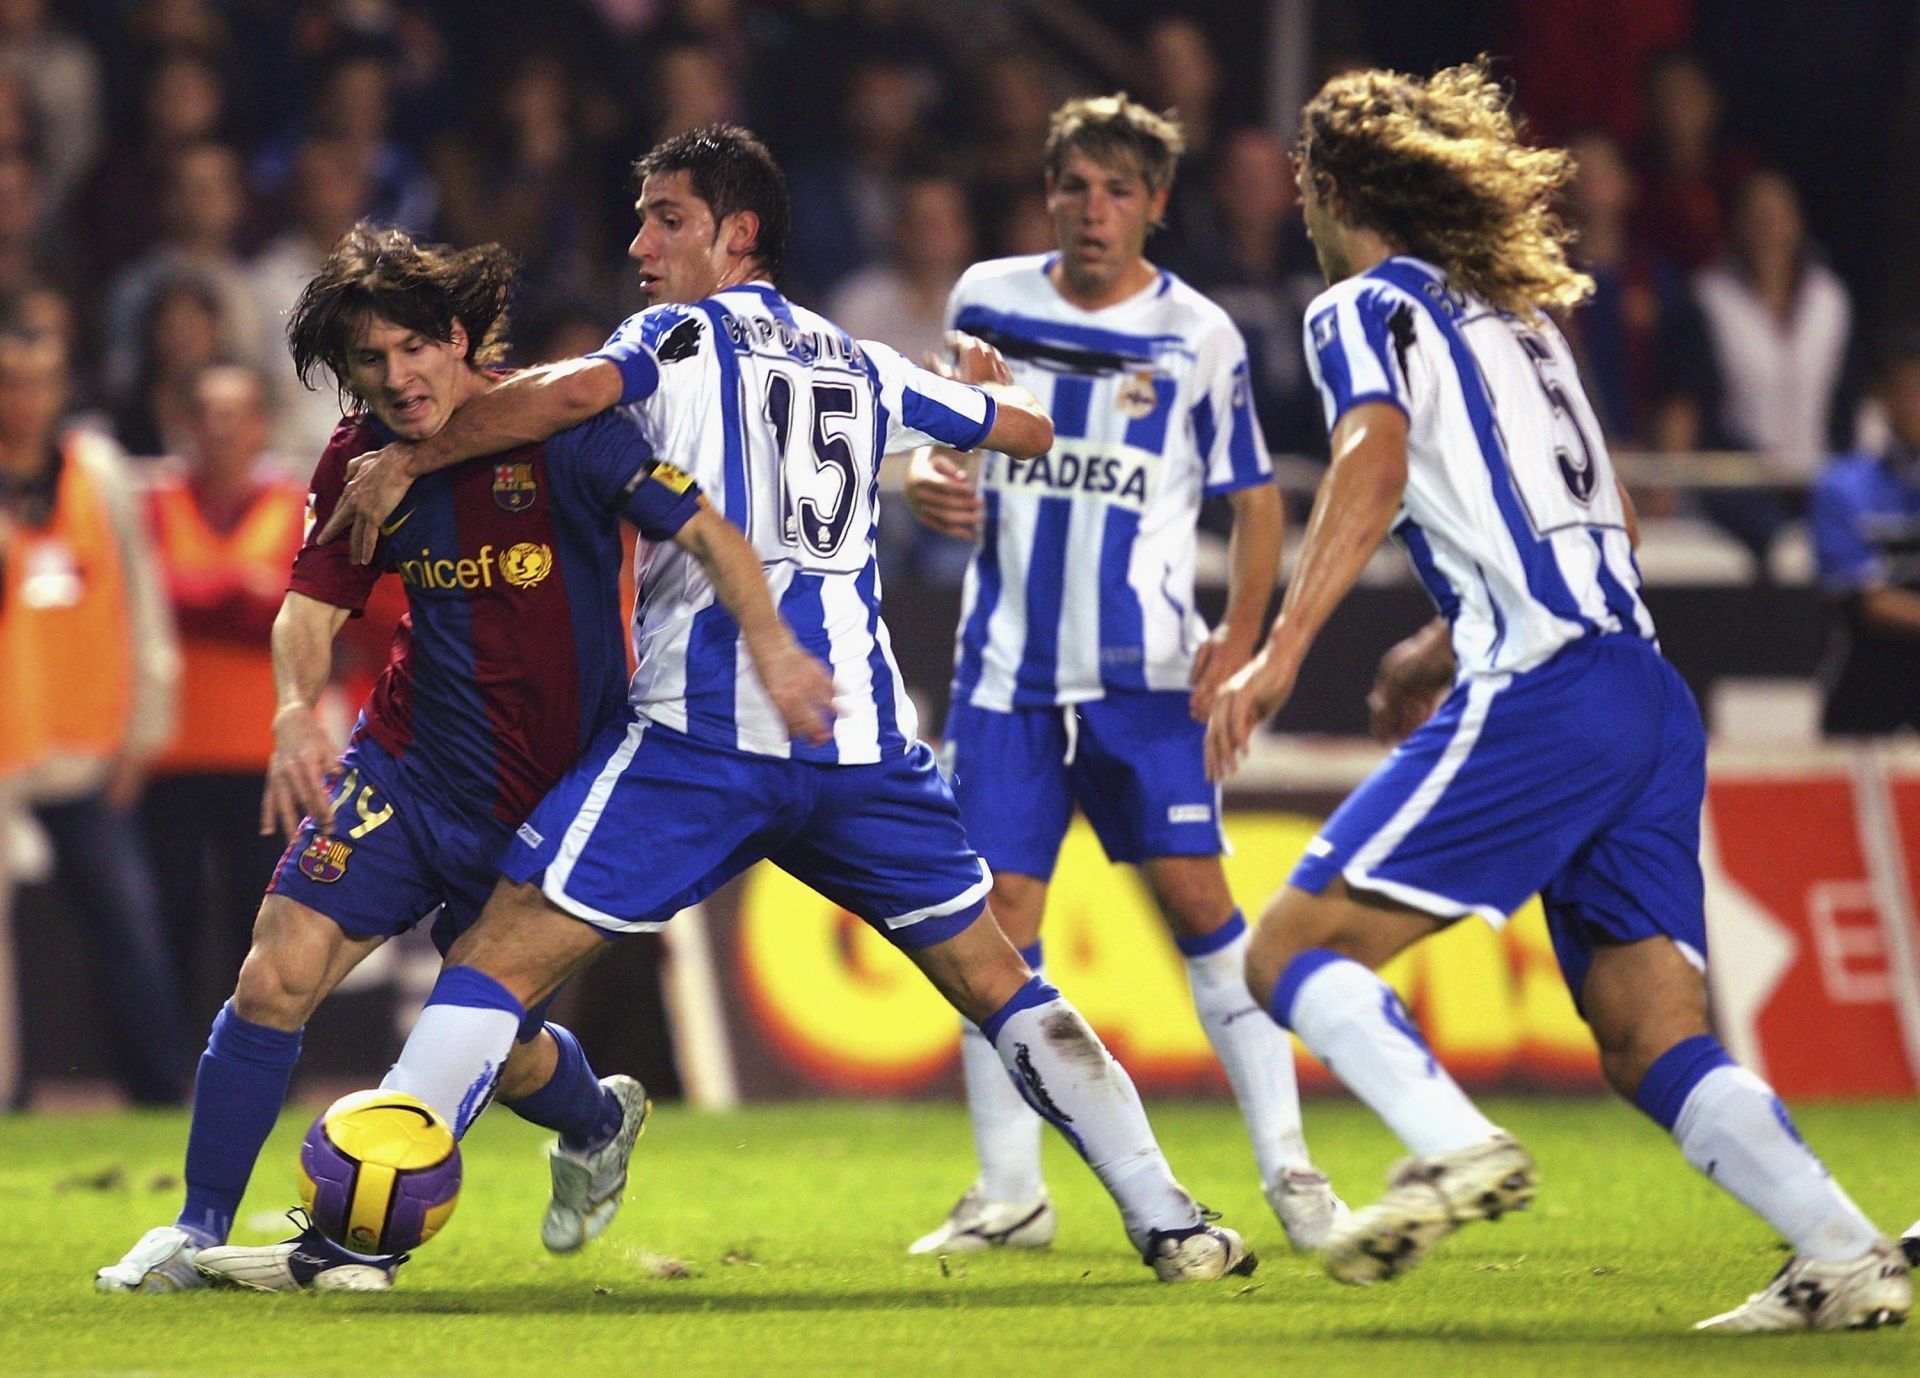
(1438, 167)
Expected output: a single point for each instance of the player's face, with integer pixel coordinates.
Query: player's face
(411, 382)
(1101, 214)
(682, 254)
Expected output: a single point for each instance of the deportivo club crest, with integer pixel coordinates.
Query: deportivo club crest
(513, 486)
(1137, 397)
(325, 859)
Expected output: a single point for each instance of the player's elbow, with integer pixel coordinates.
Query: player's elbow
(1021, 431)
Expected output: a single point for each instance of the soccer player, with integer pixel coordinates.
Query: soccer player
(1567, 757)
(783, 418)
(1082, 672)
(508, 664)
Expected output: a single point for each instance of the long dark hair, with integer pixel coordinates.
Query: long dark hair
(423, 287)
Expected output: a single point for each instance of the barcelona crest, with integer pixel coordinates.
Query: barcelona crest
(513, 486)
(325, 859)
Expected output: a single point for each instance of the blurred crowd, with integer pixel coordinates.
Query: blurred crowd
(173, 171)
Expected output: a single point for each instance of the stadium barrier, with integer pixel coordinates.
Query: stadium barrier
(1810, 864)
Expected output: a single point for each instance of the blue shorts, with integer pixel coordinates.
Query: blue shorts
(1580, 780)
(650, 821)
(1134, 762)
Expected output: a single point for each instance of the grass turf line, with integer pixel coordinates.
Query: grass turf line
(790, 1224)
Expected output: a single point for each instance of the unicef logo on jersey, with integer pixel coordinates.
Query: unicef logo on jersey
(526, 564)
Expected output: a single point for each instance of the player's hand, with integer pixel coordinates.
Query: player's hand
(974, 361)
(376, 481)
(941, 493)
(1219, 658)
(801, 688)
(1253, 694)
(1414, 679)
(297, 774)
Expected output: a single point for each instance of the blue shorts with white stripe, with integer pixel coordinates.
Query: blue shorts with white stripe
(651, 821)
(1580, 780)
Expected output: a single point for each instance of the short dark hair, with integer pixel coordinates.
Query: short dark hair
(423, 287)
(732, 171)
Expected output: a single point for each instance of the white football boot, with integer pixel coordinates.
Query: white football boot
(309, 1262)
(1864, 1293)
(1203, 1255)
(162, 1261)
(587, 1186)
(1428, 1199)
(976, 1224)
(1307, 1205)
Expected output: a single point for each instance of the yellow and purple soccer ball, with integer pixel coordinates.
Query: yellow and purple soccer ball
(380, 1172)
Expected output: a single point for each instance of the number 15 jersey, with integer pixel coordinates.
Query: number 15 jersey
(1511, 513)
(782, 419)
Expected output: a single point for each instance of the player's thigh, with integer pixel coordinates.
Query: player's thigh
(1019, 903)
(648, 822)
(1008, 773)
(884, 842)
(298, 955)
(527, 943)
(1192, 893)
(1367, 927)
(1139, 774)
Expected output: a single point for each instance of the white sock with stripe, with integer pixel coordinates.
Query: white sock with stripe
(1006, 1132)
(453, 1057)
(1353, 1022)
(1256, 1053)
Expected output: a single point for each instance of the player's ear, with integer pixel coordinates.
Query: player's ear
(743, 233)
(1157, 204)
(462, 342)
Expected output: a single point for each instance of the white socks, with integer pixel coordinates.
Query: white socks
(1353, 1022)
(1006, 1132)
(1257, 1055)
(1066, 1074)
(453, 1057)
(1735, 1130)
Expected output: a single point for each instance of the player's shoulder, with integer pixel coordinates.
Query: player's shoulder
(1021, 277)
(1371, 293)
(674, 331)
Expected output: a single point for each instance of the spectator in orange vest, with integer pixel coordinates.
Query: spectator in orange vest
(226, 521)
(87, 672)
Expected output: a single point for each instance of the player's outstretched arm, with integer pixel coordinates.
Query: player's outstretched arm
(1253, 566)
(1020, 427)
(799, 685)
(302, 659)
(522, 410)
(1351, 516)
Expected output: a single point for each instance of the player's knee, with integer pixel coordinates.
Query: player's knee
(274, 990)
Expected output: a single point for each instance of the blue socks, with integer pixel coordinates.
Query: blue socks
(237, 1095)
(573, 1101)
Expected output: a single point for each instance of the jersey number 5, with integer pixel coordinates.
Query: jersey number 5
(1571, 445)
(820, 486)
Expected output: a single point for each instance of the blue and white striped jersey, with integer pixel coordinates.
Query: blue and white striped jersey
(1083, 579)
(1511, 515)
(782, 419)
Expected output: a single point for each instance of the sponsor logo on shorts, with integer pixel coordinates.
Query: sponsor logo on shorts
(1190, 813)
(325, 859)
(529, 834)
(514, 487)
(1319, 847)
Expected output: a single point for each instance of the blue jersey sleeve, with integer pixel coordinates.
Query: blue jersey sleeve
(1847, 563)
(608, 461)
(1358, 338)
(630, 349)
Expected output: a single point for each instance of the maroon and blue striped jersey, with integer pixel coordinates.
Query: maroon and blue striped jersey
(513, 652)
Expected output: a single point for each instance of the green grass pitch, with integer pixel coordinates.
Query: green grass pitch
(771, 1242)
